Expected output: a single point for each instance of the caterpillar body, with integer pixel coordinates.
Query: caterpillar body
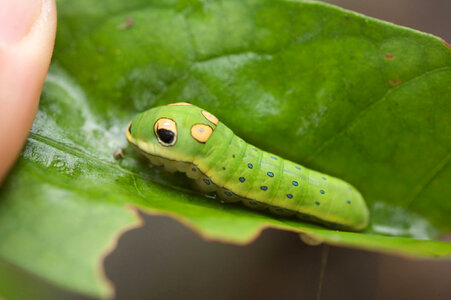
(183, 137)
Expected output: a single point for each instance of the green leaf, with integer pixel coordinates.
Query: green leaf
(347, 95)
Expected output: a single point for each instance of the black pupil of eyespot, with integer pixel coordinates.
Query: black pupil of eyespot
(166, 136)
(130, 128)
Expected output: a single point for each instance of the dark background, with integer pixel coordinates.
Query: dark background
(165, 260)
(431, 16)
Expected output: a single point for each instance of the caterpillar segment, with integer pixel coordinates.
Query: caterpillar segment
(185, 138)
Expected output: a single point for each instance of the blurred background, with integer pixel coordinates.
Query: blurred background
(431, 16)
(165, 260)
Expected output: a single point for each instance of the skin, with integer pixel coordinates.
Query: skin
(27, 34)
(209, 152)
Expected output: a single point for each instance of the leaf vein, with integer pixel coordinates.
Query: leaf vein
(420, 187)
(363, 112)
(57, 145)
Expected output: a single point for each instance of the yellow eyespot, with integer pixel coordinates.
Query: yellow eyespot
(210, 117)
(128, 133)
(201, 132)
(180, 103)
(166, 131)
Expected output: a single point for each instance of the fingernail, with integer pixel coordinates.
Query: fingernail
(17, 18)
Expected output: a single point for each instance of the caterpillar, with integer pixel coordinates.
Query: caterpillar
(183, 137)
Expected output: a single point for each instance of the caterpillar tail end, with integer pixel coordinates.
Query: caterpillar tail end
(349, 213)
(361, 218)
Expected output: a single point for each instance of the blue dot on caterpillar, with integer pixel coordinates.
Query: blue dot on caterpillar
(186, 138)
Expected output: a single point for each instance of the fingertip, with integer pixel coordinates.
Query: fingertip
(24, 64)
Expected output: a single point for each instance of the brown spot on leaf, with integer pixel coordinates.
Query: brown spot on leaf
(389, 56)
(129, 22)
(395, 82)
(446, 44)
(119, 154)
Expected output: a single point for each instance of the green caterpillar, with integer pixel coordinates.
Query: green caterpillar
(183, 137)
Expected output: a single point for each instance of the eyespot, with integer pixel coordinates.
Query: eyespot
(201, 132)
(166, 136)
(128, 133)
(210, 117)
(166, 132)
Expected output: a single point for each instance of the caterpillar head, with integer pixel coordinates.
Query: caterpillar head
(176, 131)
